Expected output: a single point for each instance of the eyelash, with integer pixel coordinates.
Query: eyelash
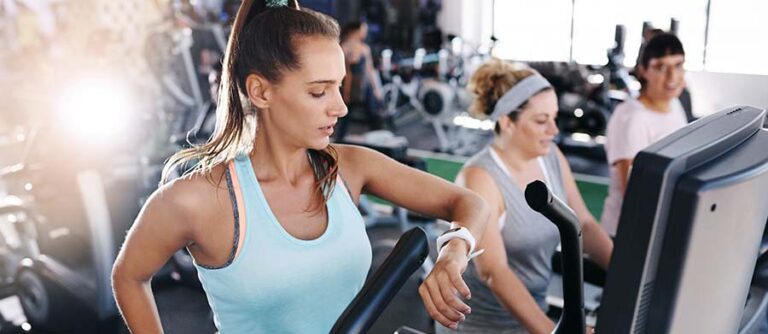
(317, 96)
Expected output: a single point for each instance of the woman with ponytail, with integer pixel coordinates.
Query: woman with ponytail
(268, 212)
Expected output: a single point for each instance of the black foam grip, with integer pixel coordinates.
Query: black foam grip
(407, 256)
(542, 200)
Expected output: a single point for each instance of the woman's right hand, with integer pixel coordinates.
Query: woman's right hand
(441, 288)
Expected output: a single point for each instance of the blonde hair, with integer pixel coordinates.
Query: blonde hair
(489, 83)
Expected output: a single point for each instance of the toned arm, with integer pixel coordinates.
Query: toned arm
(162, 227)
(371, 74)
(597, 243)
(371, 172)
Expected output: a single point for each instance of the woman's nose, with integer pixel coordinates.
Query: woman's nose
(553, 127)
(339, 108)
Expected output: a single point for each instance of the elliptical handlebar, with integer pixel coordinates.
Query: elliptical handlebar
(407, 256)
(541, 199)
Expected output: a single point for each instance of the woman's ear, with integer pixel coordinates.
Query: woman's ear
(258, 90)
(641, 71)
(506, 125)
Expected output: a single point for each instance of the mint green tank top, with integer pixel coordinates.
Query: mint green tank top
(278, 283)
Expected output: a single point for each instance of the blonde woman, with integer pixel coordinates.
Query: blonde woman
(509, 281)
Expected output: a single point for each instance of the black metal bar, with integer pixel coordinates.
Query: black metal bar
(542, 200)
(706, 34)
(407, 256)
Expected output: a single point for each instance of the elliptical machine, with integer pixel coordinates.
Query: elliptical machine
(665, 276)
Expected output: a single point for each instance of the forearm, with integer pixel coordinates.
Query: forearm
(374, 82)
(623, 179)
(516, 298)
(346, 90)
(597, 244)
(137, 305)
(346, 85)
(372, 78)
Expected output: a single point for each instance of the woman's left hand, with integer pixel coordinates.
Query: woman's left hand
(441, 288)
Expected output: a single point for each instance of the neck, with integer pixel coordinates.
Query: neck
(513, 156)
(275, 158)
(659, 105)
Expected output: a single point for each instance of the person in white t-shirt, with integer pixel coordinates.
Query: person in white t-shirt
(637, 123)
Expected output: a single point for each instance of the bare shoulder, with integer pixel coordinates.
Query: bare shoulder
(474, 176)
(354, 156)
(189, 199)
(481, 182)
(358, 164)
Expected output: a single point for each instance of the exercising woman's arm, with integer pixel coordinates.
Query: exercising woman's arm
(159, 231)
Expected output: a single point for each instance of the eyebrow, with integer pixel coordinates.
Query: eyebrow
(658, 61)
(672, 64)
(321, 82)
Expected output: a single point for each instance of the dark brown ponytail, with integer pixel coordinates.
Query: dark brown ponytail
(262, 42)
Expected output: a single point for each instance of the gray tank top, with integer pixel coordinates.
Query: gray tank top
(529, 239)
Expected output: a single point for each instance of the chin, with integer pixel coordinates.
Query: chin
(670, 95)
(545, 148)
(538, 150)
(544, 151)
(319, 145)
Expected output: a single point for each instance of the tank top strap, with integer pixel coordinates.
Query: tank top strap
(551, 166)
(340, 181)
(238, 207)
(487, 161)
(236, 198)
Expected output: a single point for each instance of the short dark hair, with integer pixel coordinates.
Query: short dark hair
(664, 44)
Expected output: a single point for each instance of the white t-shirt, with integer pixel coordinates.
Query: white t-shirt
(632, 128)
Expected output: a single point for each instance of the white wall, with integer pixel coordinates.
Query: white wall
(712, 91)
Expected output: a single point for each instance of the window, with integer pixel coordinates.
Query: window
(541, 30)
(533, 30)
(595, 22)
(737, 37)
